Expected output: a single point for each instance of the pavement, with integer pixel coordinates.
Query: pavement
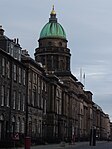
(55, 146)
(63, 145)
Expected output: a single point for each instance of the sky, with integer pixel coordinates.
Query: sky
(88, 27)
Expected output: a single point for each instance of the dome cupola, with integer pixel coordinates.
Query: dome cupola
(52, 52)
(52, 29)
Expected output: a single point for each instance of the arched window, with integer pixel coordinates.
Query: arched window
(2, 117)
(1, 126)
(35, 126)
(18, 125)
(23, 126)
(13, 119)
(30, 125)
(13, 124)
(40, 127)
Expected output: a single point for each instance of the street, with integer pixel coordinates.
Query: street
(77, 145)
(100, 145)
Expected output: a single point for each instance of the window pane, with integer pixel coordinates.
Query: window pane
(8, 69)
(19, 75)
(3, 66)
(14, 100)
(8, 96)
(19, 101)
(3, 96)
(15, 72)
(23, 77)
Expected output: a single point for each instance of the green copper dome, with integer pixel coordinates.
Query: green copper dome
(53, 29)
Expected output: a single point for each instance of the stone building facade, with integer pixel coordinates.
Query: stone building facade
(41, 98)
(12, 89)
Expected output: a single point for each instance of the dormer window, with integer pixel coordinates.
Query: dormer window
(11, 48)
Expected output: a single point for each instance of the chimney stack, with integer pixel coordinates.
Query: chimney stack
(17, 41)
(1, 31)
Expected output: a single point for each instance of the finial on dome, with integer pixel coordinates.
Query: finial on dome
(53, 11)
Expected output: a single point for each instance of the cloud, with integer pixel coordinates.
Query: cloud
(105, 101)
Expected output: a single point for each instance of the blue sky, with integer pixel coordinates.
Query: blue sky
(88, 26)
